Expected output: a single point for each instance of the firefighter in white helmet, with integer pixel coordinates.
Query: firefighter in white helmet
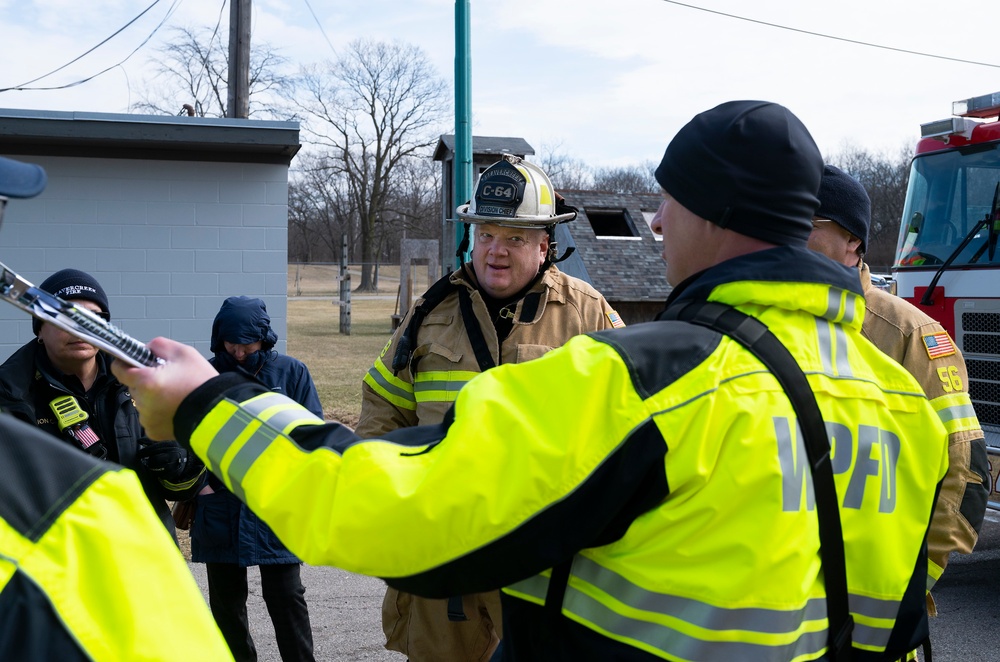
(508, 304)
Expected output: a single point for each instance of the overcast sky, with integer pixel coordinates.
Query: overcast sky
(605, 82)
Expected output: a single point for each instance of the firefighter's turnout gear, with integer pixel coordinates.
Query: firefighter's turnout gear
(924, 348)
(440, 357)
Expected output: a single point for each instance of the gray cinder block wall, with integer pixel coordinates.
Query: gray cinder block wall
(168, 238)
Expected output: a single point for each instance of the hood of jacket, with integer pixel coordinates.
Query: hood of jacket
(242, 320)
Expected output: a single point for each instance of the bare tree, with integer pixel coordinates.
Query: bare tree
(884, 176)
(571, 174)
(320, 213)
(370, 110)
(416, 197)
(192, 70)
(626, 179)
(565, 172)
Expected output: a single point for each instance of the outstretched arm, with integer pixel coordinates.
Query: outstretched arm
(159, 391)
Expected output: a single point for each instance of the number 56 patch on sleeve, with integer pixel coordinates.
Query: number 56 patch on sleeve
(938, 345)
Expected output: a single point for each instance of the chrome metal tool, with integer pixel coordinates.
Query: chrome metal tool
(74, 319)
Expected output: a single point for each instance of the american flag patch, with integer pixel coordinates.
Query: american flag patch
(615, 319)
(939, 344)
(86, 436)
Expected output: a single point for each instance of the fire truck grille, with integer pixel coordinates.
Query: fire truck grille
(981, 322)
(981, 343)
(978, 336)
(984, 389)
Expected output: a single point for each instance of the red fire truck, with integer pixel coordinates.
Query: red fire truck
(947, 258)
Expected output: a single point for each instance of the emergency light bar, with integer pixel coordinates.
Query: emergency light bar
(987, 105)
(981, 107)
(943, 129)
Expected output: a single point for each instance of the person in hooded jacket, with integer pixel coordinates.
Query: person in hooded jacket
(226, 535)
(58, 378)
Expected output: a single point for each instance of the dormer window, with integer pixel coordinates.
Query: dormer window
(611, 223)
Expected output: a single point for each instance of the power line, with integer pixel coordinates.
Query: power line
(320, 26)
(835, 38)
(24, 86)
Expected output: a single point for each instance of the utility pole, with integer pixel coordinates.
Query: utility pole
(238, 98)
(463, 113)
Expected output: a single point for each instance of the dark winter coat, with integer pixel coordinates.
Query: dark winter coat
(225, 530)
(29, 382)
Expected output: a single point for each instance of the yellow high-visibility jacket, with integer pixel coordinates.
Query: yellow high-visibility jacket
(659, 465)
(87, 571)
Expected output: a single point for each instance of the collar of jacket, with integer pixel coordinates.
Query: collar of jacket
(543, 290)
(866, 277)
(786, 277)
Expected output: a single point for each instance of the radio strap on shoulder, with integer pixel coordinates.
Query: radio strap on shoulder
(758, 339)
(479, 347)
(434, 295)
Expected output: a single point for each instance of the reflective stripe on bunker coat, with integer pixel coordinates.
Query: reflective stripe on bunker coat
(427, 387)
(392, 388)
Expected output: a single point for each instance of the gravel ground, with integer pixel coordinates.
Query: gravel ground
(344, 609)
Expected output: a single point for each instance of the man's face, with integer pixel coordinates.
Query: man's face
(507, 259)
(240, 351)
(65, 349)
(685, 238)
(830, 239)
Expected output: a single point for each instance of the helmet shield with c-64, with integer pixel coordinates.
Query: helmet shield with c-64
(514, 193)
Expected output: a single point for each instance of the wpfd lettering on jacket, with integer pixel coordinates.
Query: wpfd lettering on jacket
(877, 458)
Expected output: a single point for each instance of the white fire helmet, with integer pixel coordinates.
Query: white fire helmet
(514, 193)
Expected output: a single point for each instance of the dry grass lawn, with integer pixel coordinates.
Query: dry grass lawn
(322, 279)
(337, 362)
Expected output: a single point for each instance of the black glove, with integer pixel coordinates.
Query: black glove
(164, 459)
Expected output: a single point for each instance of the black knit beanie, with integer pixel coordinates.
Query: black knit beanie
(843, 199)
(749, 166)
(73, 284)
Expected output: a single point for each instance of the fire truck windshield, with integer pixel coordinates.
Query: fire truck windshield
(948, 195)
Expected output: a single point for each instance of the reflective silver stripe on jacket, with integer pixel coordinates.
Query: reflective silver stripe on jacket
(266, 417)
(643, 616)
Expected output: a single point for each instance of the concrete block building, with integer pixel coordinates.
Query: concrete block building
(171, 214)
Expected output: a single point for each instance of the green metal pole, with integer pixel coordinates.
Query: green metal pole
(463, 113)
